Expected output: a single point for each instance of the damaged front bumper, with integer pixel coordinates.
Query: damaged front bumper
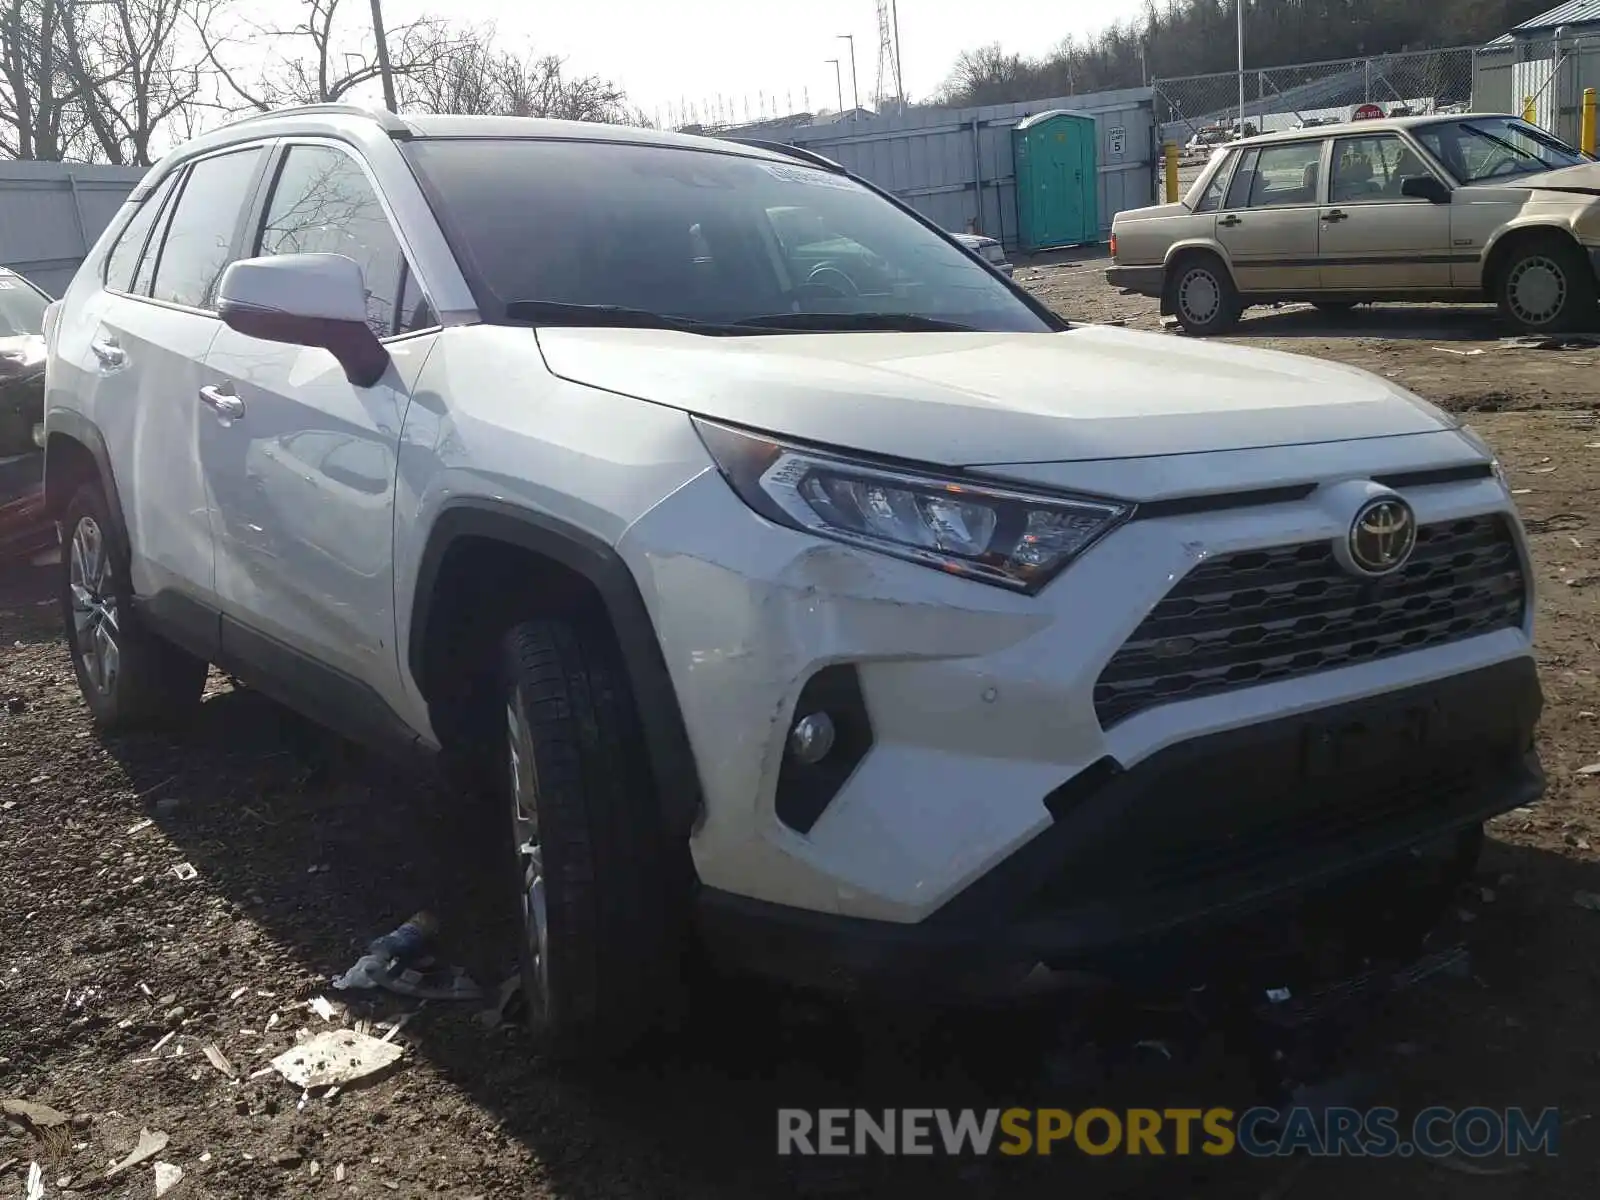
(1193, 862)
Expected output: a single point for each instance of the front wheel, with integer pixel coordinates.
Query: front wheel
(1548, 286)
(130, 676)
(1202, 295)
(601, 893)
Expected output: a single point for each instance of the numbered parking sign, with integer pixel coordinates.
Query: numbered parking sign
(1116, 140)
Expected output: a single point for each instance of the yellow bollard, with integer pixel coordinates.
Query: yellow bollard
(1586, 137)
(1170, 153)
(1530, 111)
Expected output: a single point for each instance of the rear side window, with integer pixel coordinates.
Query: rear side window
(123, 260)
(324, 203)
(199, 241)
(1286, 176)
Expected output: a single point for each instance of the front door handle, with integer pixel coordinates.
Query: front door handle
(1335, 215)
(226, 405)
(1229, 221)
(108, 351)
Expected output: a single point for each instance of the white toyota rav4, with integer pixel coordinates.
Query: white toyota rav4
(827, 603)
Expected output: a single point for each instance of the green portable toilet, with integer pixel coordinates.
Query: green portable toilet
(1058, 186)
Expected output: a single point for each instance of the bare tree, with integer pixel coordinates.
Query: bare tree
(40, 111)
(471, 76)
(124, 58)
(316, 60)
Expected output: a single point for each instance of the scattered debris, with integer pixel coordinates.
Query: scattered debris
(1591, 769)
(404, 1020)
(338, 1173)
(322, 1007)
(34, 1188)
(1462, 353)
(150, 1144)
(219, 1060)
(167, 1177)
(495, 1015)
(1588, 900)
(40, 1116)
(165, 1038)
(335, 1057)
(139, 825)
(399, 962)
(185, 872)
(236, 993)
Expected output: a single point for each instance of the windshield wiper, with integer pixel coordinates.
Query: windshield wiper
(854, 322)
(608, 316)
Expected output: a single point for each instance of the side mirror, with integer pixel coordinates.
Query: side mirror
(1425, 187)
(305, 300)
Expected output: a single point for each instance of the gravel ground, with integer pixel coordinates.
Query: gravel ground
(303, 848)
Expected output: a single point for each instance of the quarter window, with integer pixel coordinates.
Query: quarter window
(323, 203)
(199, 242)
(124, 258)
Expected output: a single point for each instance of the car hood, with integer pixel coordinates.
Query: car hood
(971, 399)
(1585, 177)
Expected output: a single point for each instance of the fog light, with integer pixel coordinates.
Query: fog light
(38, 434)
(812, 738)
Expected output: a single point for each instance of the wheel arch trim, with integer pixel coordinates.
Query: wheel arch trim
(75, 427)
(672, 761)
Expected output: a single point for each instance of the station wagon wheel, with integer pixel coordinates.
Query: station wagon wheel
(1202, 295)
(1547, 286)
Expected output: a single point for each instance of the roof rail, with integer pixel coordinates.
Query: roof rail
(392, 124)
(788, 151)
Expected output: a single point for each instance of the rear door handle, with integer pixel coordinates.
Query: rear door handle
(226, 405)
(1229, 221)
(1335, 215)
(108, 351)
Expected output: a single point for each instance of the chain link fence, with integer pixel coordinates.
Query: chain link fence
(1202, 110)
(1544, 80)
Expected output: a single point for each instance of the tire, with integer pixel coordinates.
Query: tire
(1202, 296)
(130, 677)
(601, 897)
(1546, 285)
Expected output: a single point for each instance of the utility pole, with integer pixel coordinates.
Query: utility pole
(1239, 8)
(855, 95)
(389, 101)
(838, 84)
(899, 80)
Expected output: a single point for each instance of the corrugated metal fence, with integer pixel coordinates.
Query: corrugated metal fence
(51, 213)
(955, 165)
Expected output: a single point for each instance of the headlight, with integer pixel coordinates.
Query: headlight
(1010, 539)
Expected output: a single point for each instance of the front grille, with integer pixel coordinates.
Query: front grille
(1260, 616)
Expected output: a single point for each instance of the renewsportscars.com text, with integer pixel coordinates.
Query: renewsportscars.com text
(1256, 1132)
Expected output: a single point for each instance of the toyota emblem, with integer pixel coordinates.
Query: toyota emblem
(1382, 536)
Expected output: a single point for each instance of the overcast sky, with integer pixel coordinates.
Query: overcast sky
(691, 50)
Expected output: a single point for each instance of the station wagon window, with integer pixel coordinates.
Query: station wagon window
(323, 203)
(1211, 198)
(1371, 170)
(123, 260)
(1278, 177)
(199, 242)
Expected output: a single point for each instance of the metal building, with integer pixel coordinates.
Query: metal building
(51, 213)
(1550, 59)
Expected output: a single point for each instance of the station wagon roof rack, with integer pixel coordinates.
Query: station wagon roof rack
(799, 152)
(392, 124)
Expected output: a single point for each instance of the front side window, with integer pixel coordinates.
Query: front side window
(711, 238)
(199, 241)
(1486, 148)
(323, 203)
(123, 260)
(1286, 176)
(1372, 170)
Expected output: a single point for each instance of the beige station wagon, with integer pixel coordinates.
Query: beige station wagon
(1459, 208)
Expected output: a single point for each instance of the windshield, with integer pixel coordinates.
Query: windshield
(710, 238)
(1495, 148)
(21, 308)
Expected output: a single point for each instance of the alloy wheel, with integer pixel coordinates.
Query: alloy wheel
(94, 606)
(1199, 296)
(1536, 290)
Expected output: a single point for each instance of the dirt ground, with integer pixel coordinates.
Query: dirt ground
(302, 849)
